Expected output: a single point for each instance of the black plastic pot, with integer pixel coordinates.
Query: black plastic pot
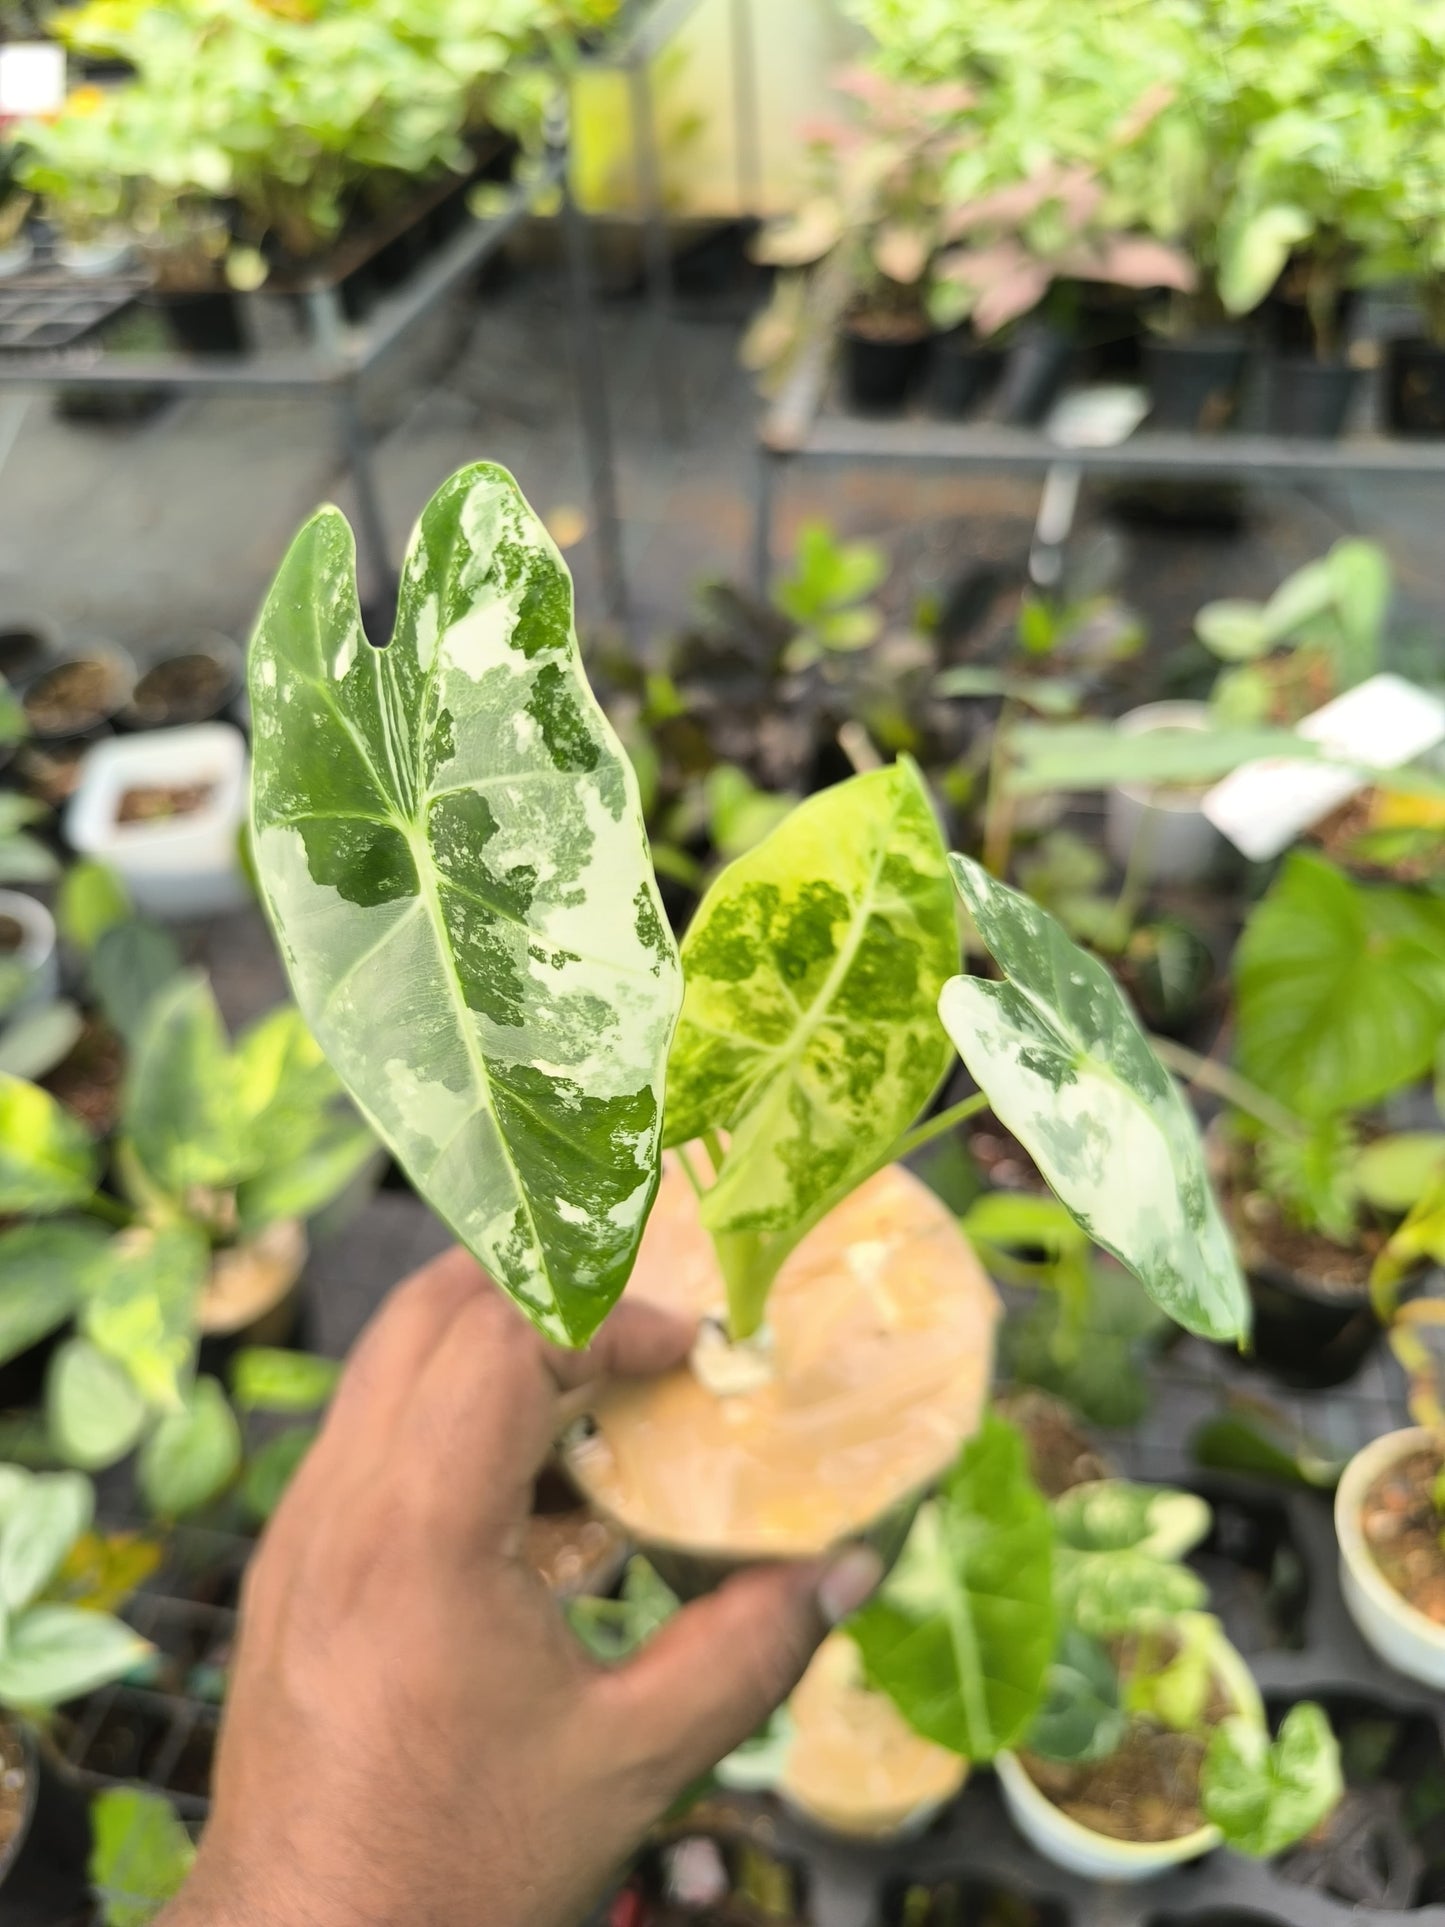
(963, 373)
(1414, 387)
(204, 322)
(28, 644)
(1033, 374)
(1307, 398)
(879, 375)
(1305, 1337)
(44, 1875)
(1194, 384)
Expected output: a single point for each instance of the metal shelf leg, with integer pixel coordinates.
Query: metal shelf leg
(590, 371)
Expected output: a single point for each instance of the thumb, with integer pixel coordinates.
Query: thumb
(713, 1674)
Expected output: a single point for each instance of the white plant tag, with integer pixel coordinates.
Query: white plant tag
(1381, 725)
(32, 78)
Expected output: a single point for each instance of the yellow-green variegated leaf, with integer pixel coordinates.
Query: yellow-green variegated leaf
(48, 1159)
(1066, 1067)
(809, 1027)
(449, 839)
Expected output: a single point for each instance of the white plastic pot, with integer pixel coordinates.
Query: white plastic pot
(95, 260)
(1098, 1856)
(1176, 841)
(184, 866)
(1402, 1636)
(37, 947)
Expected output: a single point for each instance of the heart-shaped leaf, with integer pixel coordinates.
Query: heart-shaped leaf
(45, 1273)
(191, 1455)
(1340, 988)
(1066, 1067)
(1264, 1796)
(183, 1109)
(93, 1412)
(1117, 1552)
(1081, 1718)
(48, 1159)
(40, 1528)
(131, 964)
(140, 1854)
(961, 1636)
(142, 1309)
(809, 1029)
(55, 1653)
(449, 840)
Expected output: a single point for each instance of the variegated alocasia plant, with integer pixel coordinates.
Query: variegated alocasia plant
(450, 842)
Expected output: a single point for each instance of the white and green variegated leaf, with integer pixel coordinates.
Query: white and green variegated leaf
(1263, 1795)
(183, 1112)
(1066, 1067)
(46, 1519)
(192, 1454)
(449, 840)
(1117, 1549)
(961, 1636)
(141, 1311)
(809, 1028)
(48, 1160)
(54, 1653)
(93, 1413)
(45, 1272)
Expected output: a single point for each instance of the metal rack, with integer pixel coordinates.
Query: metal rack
(341, 355)
(805, 424)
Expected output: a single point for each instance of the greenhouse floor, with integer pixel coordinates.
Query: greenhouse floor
(135, 529)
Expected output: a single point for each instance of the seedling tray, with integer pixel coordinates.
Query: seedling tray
(51, 309)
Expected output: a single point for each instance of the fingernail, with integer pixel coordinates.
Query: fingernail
(853, 1578)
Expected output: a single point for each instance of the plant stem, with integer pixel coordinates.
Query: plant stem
(1229, 1085)
(100, 1206)
(998, 809)
(925, 1133)
(687, 1171)
(713, 1144)
(748, 1275)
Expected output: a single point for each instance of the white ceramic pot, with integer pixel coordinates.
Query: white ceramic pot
(1177, 842)
(36, 949)
(1098, 1856)
(181, 866)
(1402, 1636)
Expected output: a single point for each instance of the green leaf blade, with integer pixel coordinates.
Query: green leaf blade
(192, 1455)
(93, 1412)
(1066, 1067)
(140, 1854)
(48, 1159)
(1264, 1796)
(451, 846)
(962, 1634)
(54, 1653)
(46, 1271)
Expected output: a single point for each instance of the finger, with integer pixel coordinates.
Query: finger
(713, 1675)
(487, 1409)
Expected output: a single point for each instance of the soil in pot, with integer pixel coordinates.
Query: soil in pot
(1194, 384)
(51, 774)
(884, 355)
(160, 802)
(1148, 1790)
(74, 697)
(1061, 1453)
(881, 1326)
(44, 1836)
(190, 688)
(1403, 1525)
(12, 935)
(1414, 398)
(1308, 398)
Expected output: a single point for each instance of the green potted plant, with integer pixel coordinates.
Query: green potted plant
(140, 1854)
(223, 1155)
(450, 844)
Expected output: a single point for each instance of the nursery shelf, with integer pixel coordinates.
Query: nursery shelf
(342, 354)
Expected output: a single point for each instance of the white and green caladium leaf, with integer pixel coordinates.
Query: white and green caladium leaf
(45, 1272)
(191, 1455)
(48, 1160)
(809, 1029)
(43, 1523)
(1116, 1556)
(141, 1311)
(450, 843)
(93, 1413)
(1081, 1718)
(962, 1634)
(1263, 1795)
(1340, 988)
(1066, 1067)
(54, 1653)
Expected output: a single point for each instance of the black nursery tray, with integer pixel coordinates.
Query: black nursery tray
(51, 309)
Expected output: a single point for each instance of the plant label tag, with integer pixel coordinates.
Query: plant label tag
(32, 78)
(1383, 724)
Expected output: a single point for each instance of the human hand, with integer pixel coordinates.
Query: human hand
(412, 1736)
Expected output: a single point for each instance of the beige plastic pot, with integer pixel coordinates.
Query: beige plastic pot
(881, 1328)
(1402, 1635)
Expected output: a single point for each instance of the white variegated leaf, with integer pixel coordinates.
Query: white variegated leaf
(450, 842)
(1066, 1067)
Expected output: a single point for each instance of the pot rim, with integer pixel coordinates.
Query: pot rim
(39, 938)
(30, 1747)
(1173, 801)
(1358, 1475)
(79, 650)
